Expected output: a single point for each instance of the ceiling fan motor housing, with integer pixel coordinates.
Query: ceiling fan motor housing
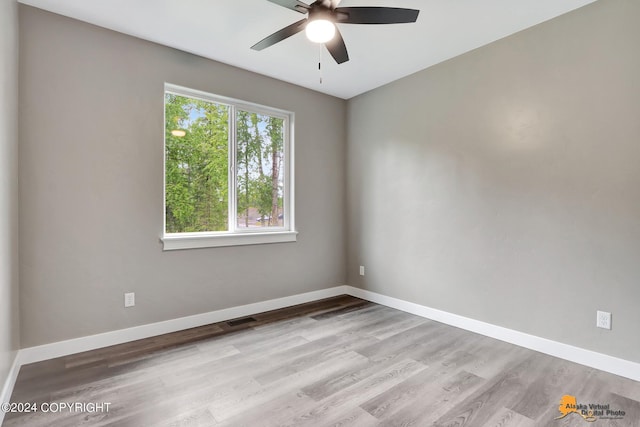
(320, 12)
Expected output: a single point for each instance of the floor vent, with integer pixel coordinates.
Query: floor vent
(241, 321)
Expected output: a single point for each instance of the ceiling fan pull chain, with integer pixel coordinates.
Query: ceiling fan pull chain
(320, 62)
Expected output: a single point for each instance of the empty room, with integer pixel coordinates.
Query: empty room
(330, 213)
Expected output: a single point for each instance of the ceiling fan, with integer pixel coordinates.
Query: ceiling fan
(322, 15)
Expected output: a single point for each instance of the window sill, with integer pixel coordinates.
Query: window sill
(204, 240)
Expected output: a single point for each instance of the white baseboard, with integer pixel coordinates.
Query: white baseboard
(603, 362)
(7, 388)
(92, 342)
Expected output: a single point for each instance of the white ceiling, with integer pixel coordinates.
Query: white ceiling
(224, 30)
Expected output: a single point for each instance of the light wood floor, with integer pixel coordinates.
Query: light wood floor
(337, 362)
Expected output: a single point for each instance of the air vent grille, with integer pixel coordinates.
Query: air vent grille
(241, 321)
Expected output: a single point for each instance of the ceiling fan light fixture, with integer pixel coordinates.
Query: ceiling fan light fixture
(320, 30)
(322, 16)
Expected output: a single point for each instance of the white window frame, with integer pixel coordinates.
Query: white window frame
(235, 236)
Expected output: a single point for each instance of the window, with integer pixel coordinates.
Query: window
(228, 172)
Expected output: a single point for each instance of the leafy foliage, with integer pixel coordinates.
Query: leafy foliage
(197, 167)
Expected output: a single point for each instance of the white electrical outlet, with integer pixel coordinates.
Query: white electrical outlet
(603, 320)
(129, 299)
(362, 270)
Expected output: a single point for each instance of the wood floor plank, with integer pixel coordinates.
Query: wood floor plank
(278, 411)
(345, 323)
(198, 418)
(495, 357)
(407, 391)
(508, 418)
(345, 378)
(166, 403)
(630, 407)
(313, 353)
(165, 417)
(401, 344)
(342, 310)
(240, 402)
(543, 392)
(353, 417)
(436, 399)
(320, 412)
(508, 387)
(626, 387)
(221, 370)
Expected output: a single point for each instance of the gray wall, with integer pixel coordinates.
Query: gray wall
(9, 335)
(91, 186)
(503, 185)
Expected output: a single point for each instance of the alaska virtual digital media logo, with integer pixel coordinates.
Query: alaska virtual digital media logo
(589, 412)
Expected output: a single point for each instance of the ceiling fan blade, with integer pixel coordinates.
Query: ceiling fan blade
(375, 15)
(278, 36)
(295, 5)
(337, 48)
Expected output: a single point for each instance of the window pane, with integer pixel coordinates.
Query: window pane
(260, 180)
(197, 154)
